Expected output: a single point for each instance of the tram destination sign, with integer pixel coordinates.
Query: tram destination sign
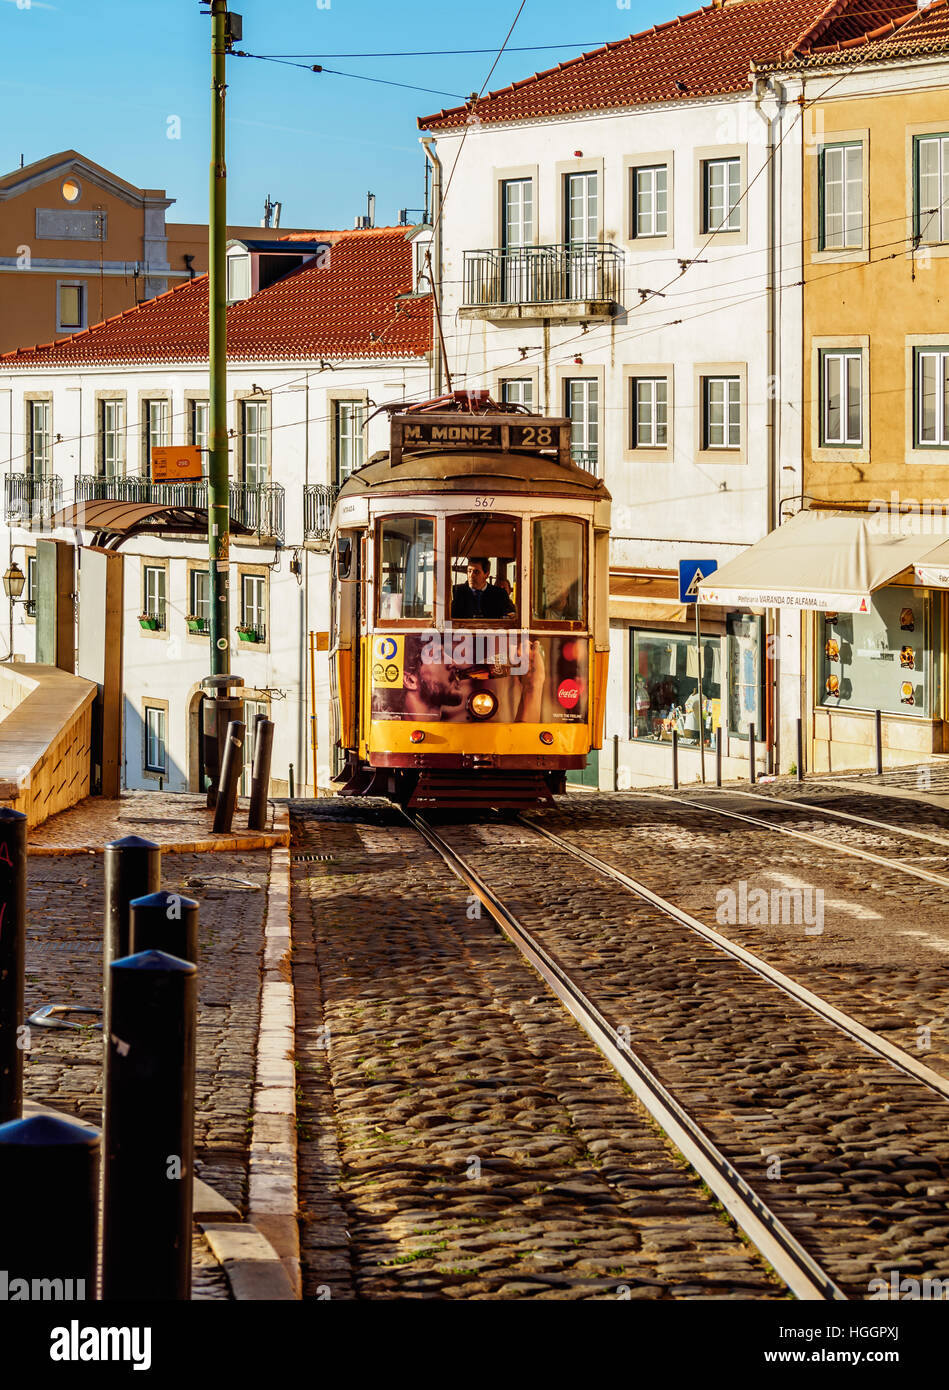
(438, 433)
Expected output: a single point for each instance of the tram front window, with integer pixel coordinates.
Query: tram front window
(407, 569)
(558, 570)
(482, 552)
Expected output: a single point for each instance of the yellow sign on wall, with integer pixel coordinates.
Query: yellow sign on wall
(171, 462)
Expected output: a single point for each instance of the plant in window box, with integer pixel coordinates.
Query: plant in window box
(196, 624)
(149, 621)
(247, 633)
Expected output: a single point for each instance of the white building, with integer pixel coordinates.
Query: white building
(319, 334)
(608, 252)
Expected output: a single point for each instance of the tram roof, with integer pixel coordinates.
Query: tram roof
(462, 471)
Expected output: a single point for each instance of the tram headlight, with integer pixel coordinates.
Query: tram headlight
(482, 705)
(417, 736)
(547, 737)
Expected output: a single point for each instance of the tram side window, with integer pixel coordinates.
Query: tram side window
(482, 550)
(407, 569)
(558, 570)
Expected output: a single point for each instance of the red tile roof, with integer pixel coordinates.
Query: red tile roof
(349, 308)
(920, 31)
(704, 53)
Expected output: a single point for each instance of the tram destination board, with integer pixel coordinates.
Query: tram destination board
(501, 433)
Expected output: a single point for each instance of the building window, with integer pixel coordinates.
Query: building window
(112, 436)
(841, 398)
(39, 429)
(256, 454)
(932, 397)
(517, 213)
(348, 442)
(252, 708)
(582, 407)
(582, 203)
(154, 593)
(157, 431)
(70, 306)
(238, 278)
(199, 427)
(664, 686)
(155, 725)
(721, 412)
(931, 167)
(31, 585)
(721, 209)
(650, 412)
(518, 391)
(840, 189)
(199, 615)
(254, 605)
(884, 659)
(650, 201)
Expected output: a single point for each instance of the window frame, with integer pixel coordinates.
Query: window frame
(148, 405)
(194, 404)
(842, 145)
(522, 381)
(150, 707)
(635, 233)
(513, 620)
(156, 567)
(358, 436)
(260, 434)
(726, 447)
(582, 624)
(729, 161)
(118, 434)
(33, 407)
(843, 354)
(633, 403)
(428, 622)
(942, 211)
(941, 353)
(594, 382)
(256, 579)
(193, 571)
(82, 287)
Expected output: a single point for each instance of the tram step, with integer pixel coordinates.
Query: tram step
(479, 790)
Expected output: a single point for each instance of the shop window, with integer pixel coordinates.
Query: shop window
(406, 569)
(745, 676)
(664, 687)
(557, 560)
(482, 568)
(880, 660)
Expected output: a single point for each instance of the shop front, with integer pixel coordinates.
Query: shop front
(872, 634)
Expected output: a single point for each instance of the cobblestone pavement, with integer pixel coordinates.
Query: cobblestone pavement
(862, 1171)
(208, 1280)
(883, 954)
(166, 819)
(64, 966)
(482, 1147)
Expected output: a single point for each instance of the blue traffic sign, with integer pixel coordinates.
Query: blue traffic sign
(691, 574)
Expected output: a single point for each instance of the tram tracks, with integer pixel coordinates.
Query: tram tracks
(834, 1073)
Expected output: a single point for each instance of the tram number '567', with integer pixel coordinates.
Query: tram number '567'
(484, 501)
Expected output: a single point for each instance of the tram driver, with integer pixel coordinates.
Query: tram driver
(477, 598)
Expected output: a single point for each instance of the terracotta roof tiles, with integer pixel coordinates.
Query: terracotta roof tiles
(348, 308)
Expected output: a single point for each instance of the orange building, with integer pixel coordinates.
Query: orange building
(79, 244)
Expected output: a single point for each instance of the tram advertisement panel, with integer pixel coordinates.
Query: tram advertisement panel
(529, 680)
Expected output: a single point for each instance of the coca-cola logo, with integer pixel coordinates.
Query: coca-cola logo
(568, 693)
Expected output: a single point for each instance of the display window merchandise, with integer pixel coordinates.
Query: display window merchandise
(879, 660)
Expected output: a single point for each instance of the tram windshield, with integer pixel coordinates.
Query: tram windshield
(407, 568)
(482, 558)
(558, 570)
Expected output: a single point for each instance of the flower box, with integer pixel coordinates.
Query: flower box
(148, 622)
(196, 624)
(250, 634)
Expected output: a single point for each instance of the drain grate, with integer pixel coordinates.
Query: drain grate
(309, 858)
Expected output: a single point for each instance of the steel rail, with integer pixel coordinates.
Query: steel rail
(793, 1264)
(904, 1061)
(926, 874)
(841, 815)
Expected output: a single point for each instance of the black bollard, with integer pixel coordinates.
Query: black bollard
(260, 776)
(231, 768)
(675, 760)
(132, 868)
(291, 781)
(12, 960)
(148, 1151)
(878, 734)
(50, 1180)
(164, 922)
(800, 750)
(751, 754)
(718, 756)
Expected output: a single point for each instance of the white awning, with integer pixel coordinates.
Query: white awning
(826, 561)
(933, 571)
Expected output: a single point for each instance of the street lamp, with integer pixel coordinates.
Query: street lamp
(13, 581)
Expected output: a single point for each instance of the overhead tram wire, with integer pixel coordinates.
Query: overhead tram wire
(356, 76)
(450, 52)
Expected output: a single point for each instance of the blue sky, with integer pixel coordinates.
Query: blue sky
(105, 77)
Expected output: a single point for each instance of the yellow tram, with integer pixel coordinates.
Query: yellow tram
(469, 613)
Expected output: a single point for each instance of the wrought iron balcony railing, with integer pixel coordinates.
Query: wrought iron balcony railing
(259, 506)
(318, 504)
(30, 500)
(588, 270)
(585, 456)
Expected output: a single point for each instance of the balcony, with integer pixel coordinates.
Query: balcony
(585, 457)
(259, 506)
(529, 283)
(318, 504)
(31, 501)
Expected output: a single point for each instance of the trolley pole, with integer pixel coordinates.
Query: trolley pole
(223, 30)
